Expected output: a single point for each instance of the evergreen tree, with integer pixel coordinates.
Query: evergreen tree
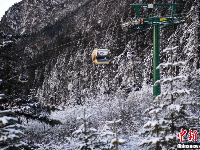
(109, 135)
(171, 112)
(85, 135)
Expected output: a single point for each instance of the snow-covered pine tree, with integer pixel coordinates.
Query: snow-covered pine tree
(85, 135)
(109, 135)
(153, 130)
(10, 131)
(171, 113)
(106, 135)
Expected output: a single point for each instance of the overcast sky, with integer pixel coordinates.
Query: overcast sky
(5, 4)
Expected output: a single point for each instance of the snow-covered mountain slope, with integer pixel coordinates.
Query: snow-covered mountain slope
(62, 34)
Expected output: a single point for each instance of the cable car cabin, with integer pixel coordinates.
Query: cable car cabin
(101, 56)
(23, 78)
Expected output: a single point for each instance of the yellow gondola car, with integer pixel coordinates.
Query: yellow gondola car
(101, 56)
(23, 78)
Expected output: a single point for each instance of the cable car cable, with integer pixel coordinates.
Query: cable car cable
(67, 44)
(80, 39)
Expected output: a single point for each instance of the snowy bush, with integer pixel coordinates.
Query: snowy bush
(10, 130)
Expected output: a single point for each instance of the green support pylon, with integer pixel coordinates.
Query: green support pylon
(156, 72)
(158, 22)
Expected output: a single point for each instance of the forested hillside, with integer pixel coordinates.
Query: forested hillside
(51, 42)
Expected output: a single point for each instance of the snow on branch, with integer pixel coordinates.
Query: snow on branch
(174, 107)
(191, 103)
(184, 91)
(151, 124)
(149, 141)
(168, 137)
(154, 123)
(165, 65)
(84, 117)
(4, 120)
(120, 141)
(4, 112)
(111, 122)
(16, 126)
(176, 92)
(170, 49)
(7, 42)
(107, 133)
(157, 110)
(167, 80)
(14, 131)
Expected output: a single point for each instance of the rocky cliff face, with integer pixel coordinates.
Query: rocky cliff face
(61, 34)
(30, 16)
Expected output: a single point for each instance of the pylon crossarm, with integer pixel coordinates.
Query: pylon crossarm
(162, 21)
(151, 6)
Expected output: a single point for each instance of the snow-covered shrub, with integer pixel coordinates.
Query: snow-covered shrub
(10, 131)
(109, 135)
(85, 135)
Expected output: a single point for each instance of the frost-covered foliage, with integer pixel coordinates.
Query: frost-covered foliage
(130, 110)
(109, 135)
(86, 135)
(10, 127)
(171, 113)
(10, 131)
